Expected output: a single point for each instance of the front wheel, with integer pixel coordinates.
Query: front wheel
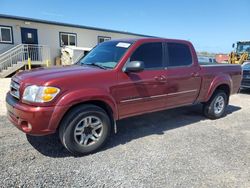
(84, 129)
(215, 107)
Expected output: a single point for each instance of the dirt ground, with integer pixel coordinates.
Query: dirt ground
(173, 148)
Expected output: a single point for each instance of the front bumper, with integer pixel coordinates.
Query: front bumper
(32, 119)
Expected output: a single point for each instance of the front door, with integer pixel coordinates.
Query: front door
(140, 92)
(29, 36)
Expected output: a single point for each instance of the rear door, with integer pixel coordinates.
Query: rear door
(140, 92)
(182, 75)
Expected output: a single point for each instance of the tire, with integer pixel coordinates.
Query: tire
(215, 107)
(81, 124)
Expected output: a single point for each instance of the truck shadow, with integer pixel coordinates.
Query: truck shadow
(131, 129)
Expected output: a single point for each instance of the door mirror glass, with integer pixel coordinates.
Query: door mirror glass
(134, 66)
(233, 45)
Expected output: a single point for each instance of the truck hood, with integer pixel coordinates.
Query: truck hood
(43, 75)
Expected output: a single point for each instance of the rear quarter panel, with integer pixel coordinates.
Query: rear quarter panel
(216, 75)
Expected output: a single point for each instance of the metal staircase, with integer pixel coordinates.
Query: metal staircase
(17, 57)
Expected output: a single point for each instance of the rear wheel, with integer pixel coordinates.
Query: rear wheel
(85, 129)
(215, 107)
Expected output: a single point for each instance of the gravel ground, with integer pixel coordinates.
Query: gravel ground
(174, 148)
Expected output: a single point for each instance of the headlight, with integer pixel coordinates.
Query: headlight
(41, 94)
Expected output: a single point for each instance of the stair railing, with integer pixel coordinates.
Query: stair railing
(23, 52)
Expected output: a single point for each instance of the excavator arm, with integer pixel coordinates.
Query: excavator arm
(234, 58)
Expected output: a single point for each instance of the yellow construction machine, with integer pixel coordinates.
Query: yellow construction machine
(241, 53)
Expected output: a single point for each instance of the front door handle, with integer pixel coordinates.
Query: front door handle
(161, 78)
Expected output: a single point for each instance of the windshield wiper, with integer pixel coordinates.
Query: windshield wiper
(96, 65)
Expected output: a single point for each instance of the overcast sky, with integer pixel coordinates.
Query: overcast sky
(212, 25)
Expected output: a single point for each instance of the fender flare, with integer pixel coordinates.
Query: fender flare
(71, 98)
(219, 80)
(75, 97)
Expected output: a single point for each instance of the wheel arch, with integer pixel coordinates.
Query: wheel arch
(223, 87)
(96, 96)
(100, 103)
(222, 82)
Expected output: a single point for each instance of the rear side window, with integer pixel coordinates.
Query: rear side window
(179, 55)
(150, 54)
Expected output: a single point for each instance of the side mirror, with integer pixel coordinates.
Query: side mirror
(134, 66)
(233, 45)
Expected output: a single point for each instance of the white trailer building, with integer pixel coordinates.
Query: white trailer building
(41, 41)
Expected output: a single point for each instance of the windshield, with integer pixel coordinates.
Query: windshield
(106, 54)
(246, 66)
(243, 47)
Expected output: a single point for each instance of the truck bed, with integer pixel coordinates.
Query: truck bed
(209, 72)
(217, 64)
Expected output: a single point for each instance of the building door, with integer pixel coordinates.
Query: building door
(29, 36)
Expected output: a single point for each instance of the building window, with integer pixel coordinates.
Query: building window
(103, 39)
(6, 34)
(67, 39)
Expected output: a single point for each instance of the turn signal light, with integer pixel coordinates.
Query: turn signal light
(50, 90)
(47, 97)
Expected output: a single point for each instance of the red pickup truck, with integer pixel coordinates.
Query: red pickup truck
(116, 80)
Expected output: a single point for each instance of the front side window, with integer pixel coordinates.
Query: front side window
(178, 55)
(6, 34)
(103, 39)
(150, 54)
(67, 39)
(106, 54)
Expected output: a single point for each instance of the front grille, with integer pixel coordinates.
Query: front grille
(246, 76)
(246, 72)
(14, 89)
(245, 82)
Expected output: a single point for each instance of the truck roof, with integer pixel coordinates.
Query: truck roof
(243, 41)
(148, 39)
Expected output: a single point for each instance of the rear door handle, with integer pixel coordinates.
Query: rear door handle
(161, 78)
(195, 74)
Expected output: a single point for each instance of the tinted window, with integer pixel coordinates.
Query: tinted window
(150, 54)
(179, 55)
